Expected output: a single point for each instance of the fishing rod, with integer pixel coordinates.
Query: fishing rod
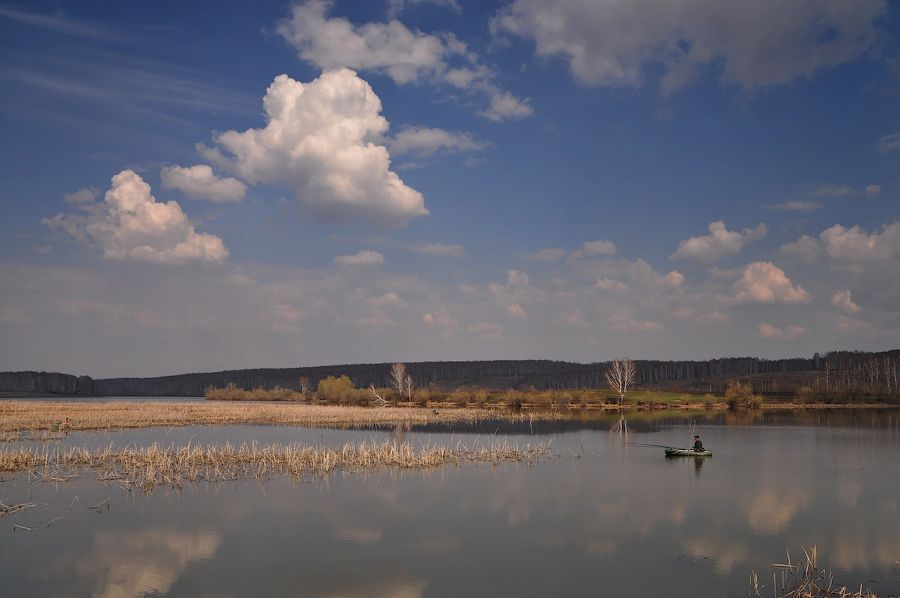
(645, 444)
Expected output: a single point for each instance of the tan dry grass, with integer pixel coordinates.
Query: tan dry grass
(148, 467)
(33, 416)
(808, 580)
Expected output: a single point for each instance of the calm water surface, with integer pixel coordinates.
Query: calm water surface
(605, 516)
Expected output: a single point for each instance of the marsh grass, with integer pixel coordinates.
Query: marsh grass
(18, 417)
(807, 580)
(146, 468)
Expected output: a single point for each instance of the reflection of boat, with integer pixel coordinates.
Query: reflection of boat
(680, 452)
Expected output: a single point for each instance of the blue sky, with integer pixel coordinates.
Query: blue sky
(188, 187)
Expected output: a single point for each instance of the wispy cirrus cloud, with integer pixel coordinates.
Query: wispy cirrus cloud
(441, 250)
(364, 258)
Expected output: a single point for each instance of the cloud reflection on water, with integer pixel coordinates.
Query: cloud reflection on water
(601, 521)
(145, 561)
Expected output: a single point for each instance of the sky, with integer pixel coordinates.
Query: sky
(195, 186)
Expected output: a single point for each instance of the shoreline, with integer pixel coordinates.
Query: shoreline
(38, 416)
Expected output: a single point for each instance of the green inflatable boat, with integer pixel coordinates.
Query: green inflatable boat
(680, 452)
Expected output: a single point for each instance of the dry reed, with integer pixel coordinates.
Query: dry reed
(148, 467)
(808, 580)
(17, 417)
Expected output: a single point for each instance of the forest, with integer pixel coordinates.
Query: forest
(835, 374)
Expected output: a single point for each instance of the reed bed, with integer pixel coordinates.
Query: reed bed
(146, 468)
(807, 580)
(17, 417)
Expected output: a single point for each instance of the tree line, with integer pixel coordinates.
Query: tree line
(854, 372)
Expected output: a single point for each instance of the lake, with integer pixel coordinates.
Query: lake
(604, 516)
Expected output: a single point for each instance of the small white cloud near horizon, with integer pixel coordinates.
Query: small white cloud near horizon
(832, 191)
(199, 182)
(550, 254)
(598, 247)
(364, 258)
(789, 332)
(441, 250)
(889, 142)
(319, 139)
(764, 282)
(626, 323)
(796, 206)
(443, 322)
(130, 223)
(485, 331)
(718, 244)
(842, 301)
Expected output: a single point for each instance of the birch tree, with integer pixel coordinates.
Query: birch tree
(398, 377)
(621, 376)
(408, 387)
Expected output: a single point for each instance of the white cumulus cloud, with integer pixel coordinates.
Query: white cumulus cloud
(406, 56)
(392, 48)
(849, 248)
(130, 223)
(752, 44)
(796, 206)
(486, 331)
(718, 244)
(441, 250)
(319, 140)
(395, 7)
(599, 247)
(81, 196)
(789, 332)
(549, 254)
(842, 301)
(366, 257)
(200, 182)
(764, 282)
(424, 142)
(855, 245)
(441, 320)
(889, 142)
(833, 191)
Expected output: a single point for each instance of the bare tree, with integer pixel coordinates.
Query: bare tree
(398, 377)
(408, 387)
(304, 384)
(621, 376)
(377, 398)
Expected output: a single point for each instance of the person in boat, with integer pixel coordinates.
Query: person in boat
(698, 446)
